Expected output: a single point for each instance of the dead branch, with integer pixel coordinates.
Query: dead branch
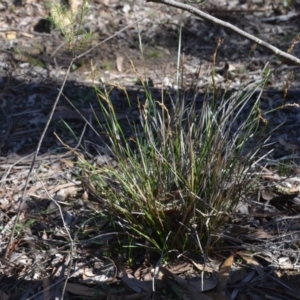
(286, 56)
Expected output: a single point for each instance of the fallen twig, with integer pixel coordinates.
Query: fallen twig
(286, 56)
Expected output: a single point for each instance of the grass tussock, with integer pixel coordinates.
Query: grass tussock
(183, 173)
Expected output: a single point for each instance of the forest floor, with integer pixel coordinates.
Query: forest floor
(33, 62)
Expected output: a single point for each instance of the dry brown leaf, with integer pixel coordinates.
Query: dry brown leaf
(67, 163)
(248, 258)
(181, 268)
(4, 204)
(225, 269)
(202, 267)
(88, 272)
(44, 235)
(65, 193)
(143, 274)
(11, 35)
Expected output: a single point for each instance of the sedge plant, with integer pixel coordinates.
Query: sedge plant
(182, 172)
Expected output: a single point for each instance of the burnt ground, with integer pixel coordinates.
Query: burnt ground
(33, 63)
